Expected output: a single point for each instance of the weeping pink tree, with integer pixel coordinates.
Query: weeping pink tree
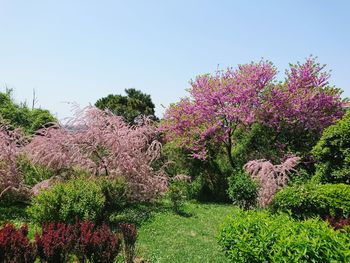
(103, 144)
(11, 179)
(221, 103)
(269, 177)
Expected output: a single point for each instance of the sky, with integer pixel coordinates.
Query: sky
(79, 51)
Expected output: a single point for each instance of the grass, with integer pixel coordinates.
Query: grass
(168, 237)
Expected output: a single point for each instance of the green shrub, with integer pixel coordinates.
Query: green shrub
(66, 202)
(257, 236)
(178, 194)
(314, 200)
(115, 191)
(332, 153)
(242, 190)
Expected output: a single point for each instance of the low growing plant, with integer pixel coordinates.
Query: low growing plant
(257, 236)
(242, 190)
(15, 246)
(309, 200)
(129, 236)
(66, 202)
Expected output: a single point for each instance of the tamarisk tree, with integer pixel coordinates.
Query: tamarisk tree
(11, 179)
(270, 178)
(226, 101)
(102, 143)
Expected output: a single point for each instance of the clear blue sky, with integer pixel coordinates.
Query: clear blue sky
(79, 51)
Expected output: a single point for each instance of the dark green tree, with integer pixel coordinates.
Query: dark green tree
(131, 106)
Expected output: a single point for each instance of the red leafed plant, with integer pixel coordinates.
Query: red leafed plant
(55, 243)
(271, 178)
(96, 244)
(89, 243)
(129, 236)
(338, 223)
(102, 143)
(15, 246)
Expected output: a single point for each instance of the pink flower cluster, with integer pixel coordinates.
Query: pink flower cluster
(103, 144)
(270, 178)
(11, 143)
(231, 99)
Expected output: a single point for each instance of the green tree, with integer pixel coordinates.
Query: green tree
(134, 104)
(20, 116)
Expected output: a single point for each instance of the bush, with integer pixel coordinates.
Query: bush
(129, 236)
(96, 244)
(59, 242)
(115, 191)
(15, 245)
(332, 153)
(178, 194)
(314, 200)
(257, 236)
(243, 190)
(66, 202)
(55, 242)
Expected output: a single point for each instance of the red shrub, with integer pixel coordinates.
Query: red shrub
(97, 244)
(55, 243)
(338, 223)
(15, 246)
(129, 235)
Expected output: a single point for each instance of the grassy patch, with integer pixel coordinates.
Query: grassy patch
(168, 237)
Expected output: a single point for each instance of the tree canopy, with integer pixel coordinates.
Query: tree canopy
(131, 106)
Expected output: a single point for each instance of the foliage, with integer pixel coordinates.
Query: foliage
(31, 173)
(178, 192)
(96, 244)
(314, 200)
(103, 144)
(257, 236)
(66, 202)
(20, 116)
(15, 245)
(242, 190)
(55, 242)
(332, 153)
(270, 178)
(131, 106)
(339, 223)
(129, 236)
(115, 191)
(58, 242)
(231, 100)
(208, 177)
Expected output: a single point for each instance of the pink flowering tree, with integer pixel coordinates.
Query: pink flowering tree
(304, 104)
(269, 177)
(218, 105)
(11, 180)
(103, 144)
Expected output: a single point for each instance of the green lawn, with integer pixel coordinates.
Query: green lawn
(168, 237)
